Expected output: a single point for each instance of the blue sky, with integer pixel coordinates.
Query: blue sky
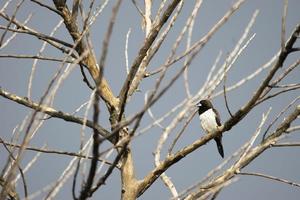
(58, 134)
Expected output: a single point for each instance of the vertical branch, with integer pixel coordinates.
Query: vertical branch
(188, 45)
(10, 22)
(85, 193)
(224, 90)
(143, 51)
(147, 17)
(141, 73)
(89, 60)
(126, 51)
(283, 23)
(82, 134)
(108, 36)
(36, 60)
(75, 9)
(251, 103)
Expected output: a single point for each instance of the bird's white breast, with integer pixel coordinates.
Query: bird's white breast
(208, 121)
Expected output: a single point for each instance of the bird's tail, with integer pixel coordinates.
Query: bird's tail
(220, 146)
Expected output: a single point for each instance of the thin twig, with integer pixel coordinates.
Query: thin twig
(283, 23)
(250, 143)
(46, 6)
(50, 111)
(126, 50)
(238, 116)
(269, 177)
(49, 151)
(138, 8)
(11, 20)
(103, 179)
(296, 87)
(24, 29)
(143, 52)
(20, 169)
(85, 79)
(287, 144)
(39, 57)
(14, 34)
(86, 190)
(181, 132)
(224, 90)
(68, 171)
(33, 68)
(200, 43)
(190, 27)
(278, 116)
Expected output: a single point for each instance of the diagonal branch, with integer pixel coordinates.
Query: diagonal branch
(238, 116)
(156, 27)
(242, 112)
(253, 153)
(269, 177)
(50, 151)
(89, 60)
(45, 6)
(86, 189)
(52, 112)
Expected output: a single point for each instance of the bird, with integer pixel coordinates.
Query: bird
(210, 121)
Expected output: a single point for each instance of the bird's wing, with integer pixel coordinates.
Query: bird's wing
(218, 119)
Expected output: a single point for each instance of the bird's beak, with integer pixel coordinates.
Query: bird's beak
(198, 105)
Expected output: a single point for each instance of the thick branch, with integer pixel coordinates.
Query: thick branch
(143, 51)
(238, 116)
(89, 60)
(253, 153)
(241, 113)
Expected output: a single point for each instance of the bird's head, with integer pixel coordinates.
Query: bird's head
(205, 103)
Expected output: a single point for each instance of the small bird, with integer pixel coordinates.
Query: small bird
(210, 121)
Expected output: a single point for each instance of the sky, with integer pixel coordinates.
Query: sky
(58, 134)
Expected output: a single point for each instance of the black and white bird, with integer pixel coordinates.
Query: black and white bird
(210, 121)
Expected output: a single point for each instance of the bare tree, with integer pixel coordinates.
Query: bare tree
(110, 148)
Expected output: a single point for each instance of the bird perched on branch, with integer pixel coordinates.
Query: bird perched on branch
(210, 121)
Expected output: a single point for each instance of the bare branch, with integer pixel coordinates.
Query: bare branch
(24, 29)
(10, 21)
(181, 132)
(143, 51)
(141, 73)
(170, 160)
(39, 57)
(201, 43)
(286, 89)
(11, 191)
(75, 9)
(278, 116)
(224, 91)
(89, 60)
(241, 113)
(283, 23)
(46, 150)
(108, 36)
(52, 112)
(147, 16)
(86, 189)
(138, 8)
(46, 6)
(269, 177)
(8, 40)
(126, 51)
(252, 154)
